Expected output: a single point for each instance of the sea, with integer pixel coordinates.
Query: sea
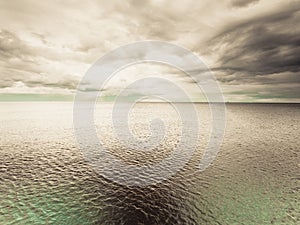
(46, 177)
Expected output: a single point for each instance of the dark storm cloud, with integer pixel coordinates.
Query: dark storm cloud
(11, 45)
(10, 76)
(6, 83)
(67, 82)
(270, 91)
(262, 46)
(242, 3)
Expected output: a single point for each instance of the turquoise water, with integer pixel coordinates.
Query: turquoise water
(44, 178)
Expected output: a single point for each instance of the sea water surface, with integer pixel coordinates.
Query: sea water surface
(45, 179)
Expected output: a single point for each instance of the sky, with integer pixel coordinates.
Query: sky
(251, 46)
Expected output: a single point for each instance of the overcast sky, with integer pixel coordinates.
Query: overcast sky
(252, 46)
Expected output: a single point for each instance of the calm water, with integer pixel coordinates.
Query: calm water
(44, 178)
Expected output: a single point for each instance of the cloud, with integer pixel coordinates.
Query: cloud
(263, 45)
(262, 50)
(11, 46)
(25, 63)
(247, 44)
(242, 3)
